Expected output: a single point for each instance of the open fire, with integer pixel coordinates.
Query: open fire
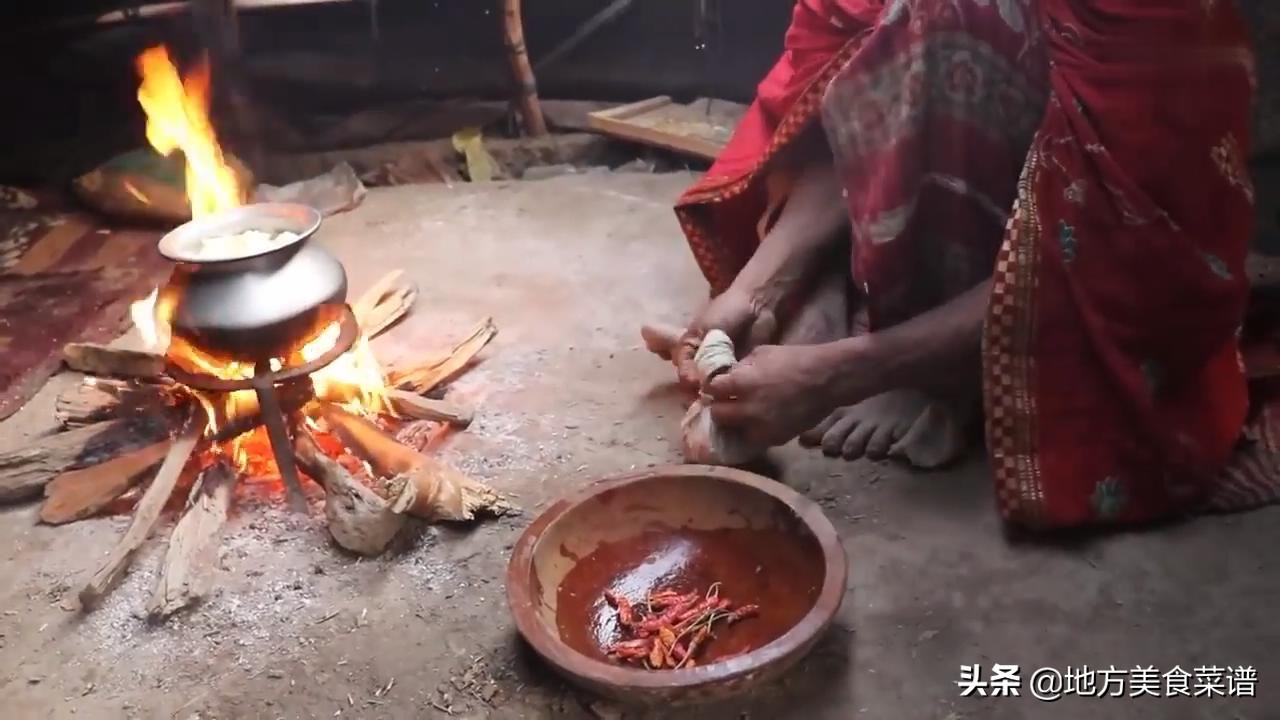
(177, 111)
(234, 383)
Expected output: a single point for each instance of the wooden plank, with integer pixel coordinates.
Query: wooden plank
(411, 404)
(184, 577)
(83, 493)
(98, 399)
(144, 517)
(423, 376)
(384, 303)
(691, 129)
(104, 360)
(622, 112)
(24, 471)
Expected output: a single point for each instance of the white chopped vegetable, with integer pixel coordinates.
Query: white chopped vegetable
(249, 242)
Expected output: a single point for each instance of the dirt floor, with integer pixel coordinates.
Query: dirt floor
(570, 267)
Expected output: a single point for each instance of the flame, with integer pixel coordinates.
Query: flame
(178, 119)
(151, 318)
(177, 111)
(355, 379)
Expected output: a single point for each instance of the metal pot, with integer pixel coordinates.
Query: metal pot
(259, 304)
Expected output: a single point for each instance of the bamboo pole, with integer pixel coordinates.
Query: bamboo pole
(521, 70)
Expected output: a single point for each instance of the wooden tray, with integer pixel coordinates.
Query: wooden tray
(701, 128)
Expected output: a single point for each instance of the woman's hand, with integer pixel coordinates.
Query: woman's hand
(775, 393)
(748, 323)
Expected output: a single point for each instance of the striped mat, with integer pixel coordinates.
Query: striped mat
(64, 276)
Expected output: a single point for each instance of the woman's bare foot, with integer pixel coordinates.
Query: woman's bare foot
(909, 424)
(903, 424)
(777, 388)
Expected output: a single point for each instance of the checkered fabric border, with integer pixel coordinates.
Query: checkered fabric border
(1008, 366)
(693, 219)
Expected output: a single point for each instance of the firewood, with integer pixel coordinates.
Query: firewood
(184, 576)
(424, 376)
(99, 399)
(386, 456)
(383, 304)
(25, 470)
(359, 519)
(88, 402)
(413, 405)
(435, 490)
(420, 485)
(83, 493)
(420, 435)
(95, 359)
(145, 515)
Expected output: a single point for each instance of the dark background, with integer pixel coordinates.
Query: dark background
(71, 86)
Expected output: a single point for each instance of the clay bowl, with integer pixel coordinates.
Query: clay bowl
(683, 527)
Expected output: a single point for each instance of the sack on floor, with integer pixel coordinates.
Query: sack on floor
(144, 185)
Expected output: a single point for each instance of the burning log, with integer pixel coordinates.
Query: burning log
(423, 377)
(193, 545)
(418, 407)
(99, 400)
(387, 457)
(95, 359)
(421, 485)
(104, 400)
(87, 403)
(82, 493)
(145, 515)
(434, 490)
(26, 470)
(383, 304)
(420, 435)
(359, 520)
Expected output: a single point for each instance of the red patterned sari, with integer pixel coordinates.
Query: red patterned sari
(1113, 387)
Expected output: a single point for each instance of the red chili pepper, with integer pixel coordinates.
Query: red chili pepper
(679, 651)
(632, 649)
(630, 645)
(653, 624)
(626, 613)
(654, 628)
(665, 594)
(672, 614)
(695, 643)
(697, 610)
(631, 654)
